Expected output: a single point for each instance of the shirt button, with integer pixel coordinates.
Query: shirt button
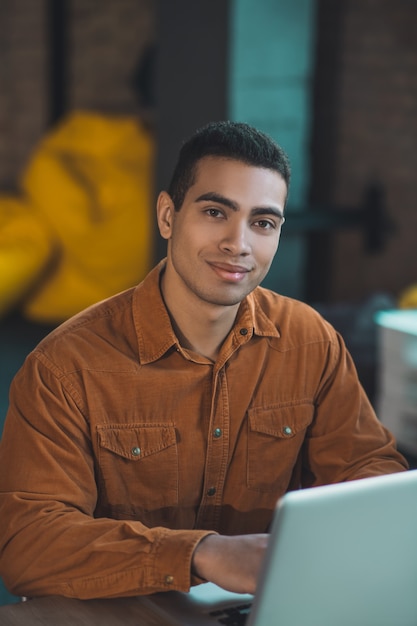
(243, 331)
(287, 430)
(217, 433)
(169, 579)
(211, 491)
(136, 451)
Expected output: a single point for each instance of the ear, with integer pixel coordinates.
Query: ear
(165, 214)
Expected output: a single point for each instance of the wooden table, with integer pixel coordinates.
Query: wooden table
(59, 611)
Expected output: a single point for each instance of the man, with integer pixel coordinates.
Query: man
(149, 437)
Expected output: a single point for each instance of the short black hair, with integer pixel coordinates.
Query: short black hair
(229, 140)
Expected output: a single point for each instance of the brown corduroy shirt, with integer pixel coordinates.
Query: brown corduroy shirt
(121, 450)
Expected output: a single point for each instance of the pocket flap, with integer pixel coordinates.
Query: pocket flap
(281, 421)
(136, 442)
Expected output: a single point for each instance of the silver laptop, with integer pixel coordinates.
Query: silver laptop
(339, 555)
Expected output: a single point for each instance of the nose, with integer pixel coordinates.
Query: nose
(236, 240)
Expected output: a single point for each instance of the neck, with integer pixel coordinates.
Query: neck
(200, 326)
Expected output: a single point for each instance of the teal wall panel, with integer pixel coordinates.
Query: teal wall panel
(271, 65)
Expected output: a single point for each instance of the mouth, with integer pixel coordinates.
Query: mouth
(229, 272)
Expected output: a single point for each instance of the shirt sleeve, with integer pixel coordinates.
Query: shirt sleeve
(346, 440)
(51, 543)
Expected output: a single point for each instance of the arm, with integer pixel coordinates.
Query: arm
(346, 440)
(51, 542)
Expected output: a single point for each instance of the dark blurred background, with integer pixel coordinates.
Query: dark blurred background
(335, 83)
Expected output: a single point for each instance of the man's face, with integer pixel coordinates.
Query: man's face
(222, 241)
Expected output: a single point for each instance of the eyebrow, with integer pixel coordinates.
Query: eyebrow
(212, 196)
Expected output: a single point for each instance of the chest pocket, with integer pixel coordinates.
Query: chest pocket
(275, 437)
(138, 466)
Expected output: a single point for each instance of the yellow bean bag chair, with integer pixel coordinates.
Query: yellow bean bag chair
(82, 229)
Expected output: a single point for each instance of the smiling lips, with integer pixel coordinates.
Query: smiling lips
(231, 273)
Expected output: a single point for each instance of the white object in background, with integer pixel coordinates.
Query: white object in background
(397, 375)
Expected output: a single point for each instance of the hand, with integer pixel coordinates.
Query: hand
(231, 562)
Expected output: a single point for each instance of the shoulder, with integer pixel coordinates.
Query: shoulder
(104, 329)
(105, 336)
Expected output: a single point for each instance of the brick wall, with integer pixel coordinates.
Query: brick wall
(22, 83)
(105, 41)
(376, 140)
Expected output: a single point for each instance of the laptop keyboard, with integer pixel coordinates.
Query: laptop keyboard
(233, 616)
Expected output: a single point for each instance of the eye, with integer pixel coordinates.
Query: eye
(213, 212)
(266, 224)
(270, 224)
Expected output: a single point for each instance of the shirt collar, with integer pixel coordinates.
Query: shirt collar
(153, 325)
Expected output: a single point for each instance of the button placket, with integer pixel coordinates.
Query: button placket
(217, 452)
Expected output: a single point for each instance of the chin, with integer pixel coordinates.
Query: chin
(227, 300)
